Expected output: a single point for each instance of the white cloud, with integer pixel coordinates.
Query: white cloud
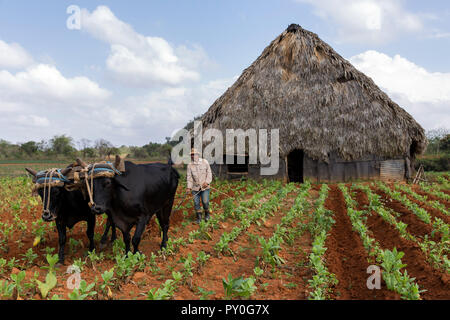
(39, 101)
(45, 84)
(13, 56)
(33, 120)
(152, 117)
(33, 109)
(367, 21)
(139, 60)
(425, 95)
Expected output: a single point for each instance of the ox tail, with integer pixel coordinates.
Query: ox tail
(169, 155)
(172, 170)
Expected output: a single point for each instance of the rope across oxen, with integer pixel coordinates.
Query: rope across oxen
(47, 179)
(83, 175)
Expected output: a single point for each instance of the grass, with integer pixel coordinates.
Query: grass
(16, 168)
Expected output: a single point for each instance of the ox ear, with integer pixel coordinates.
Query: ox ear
(119, 163)
(81, 163)
(65, 171)
(121, 185)
(31, 171)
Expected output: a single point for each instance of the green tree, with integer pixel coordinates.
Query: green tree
(62, 145)
(139, 153)
(113, 151)
(89, 152)
(445, 144)
(435, 137)
(103, 147)
(30, 147)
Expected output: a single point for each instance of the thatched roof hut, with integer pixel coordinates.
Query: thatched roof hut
(323, 106)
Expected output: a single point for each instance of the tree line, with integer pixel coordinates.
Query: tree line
(63, 147)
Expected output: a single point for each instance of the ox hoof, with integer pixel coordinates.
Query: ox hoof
(59, 264)
(102, 245)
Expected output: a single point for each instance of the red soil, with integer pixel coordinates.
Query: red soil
(417, 189)
(346, 256)
(416, 227)
(436, 283)
(432, 211)
(246, 251)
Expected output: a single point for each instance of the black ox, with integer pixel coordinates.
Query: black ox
(67, 208)
(133, 197)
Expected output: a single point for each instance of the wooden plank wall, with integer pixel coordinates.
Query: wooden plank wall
(392, 170)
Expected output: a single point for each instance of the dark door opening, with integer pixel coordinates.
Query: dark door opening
(236, 169)
(295, 166)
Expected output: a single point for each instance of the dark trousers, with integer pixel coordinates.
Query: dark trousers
(204, 196)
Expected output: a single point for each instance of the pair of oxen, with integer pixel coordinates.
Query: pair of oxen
(128, 193)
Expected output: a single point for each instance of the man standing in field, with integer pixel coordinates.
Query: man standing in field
(199, 177)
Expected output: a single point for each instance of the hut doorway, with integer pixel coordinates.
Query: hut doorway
(295, 166)
(235, 169)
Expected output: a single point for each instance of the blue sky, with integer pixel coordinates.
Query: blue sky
(138, 70)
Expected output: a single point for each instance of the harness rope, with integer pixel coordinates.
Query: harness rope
(46, 210)
(48, 185)
(87, 177)
(90, 189)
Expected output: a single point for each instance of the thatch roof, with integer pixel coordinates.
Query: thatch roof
(318, 100)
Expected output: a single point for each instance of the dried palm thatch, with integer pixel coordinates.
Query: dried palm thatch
(318, 101)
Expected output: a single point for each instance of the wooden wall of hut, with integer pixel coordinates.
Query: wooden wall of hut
(336, 170)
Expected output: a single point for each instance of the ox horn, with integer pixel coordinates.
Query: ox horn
(65, 171)
(81, 163)
(118, 160)
(31, 171)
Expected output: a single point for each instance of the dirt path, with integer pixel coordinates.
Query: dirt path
(346, 256)
(290, 280)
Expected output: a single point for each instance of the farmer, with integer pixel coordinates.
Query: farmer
(199, 177)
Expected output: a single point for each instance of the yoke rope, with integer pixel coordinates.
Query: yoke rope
(48, 181)
(90, 184)
(90, 189)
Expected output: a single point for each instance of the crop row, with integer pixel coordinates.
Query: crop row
(284, 231)
(434, 190)
(436, 251)
(434, 204)
(319, 225)
(233, 287)
(389, 260)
